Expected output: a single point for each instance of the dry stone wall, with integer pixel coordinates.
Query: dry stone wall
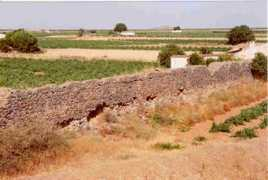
(77, 100)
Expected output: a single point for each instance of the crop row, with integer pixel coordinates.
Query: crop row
(245, 115)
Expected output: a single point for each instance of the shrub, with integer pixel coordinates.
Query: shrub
(4, 47)
(167, 146)
(205, 50)
(221, 127)
(225, 57)
(166, 53)
(22, 41)
(200, 138)
(240, 34)
(81, 32)
(93, 31)
(246, 133)
(210, 60)
(259, 66)
(196, 59)
(120, 27)
(177, 28)
(23, 143)
(264, 123)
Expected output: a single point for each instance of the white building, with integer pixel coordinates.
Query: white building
(178, 62)
(2, 36)
(249, 51)
(127, 33)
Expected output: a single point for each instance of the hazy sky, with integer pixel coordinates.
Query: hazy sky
(95, 15)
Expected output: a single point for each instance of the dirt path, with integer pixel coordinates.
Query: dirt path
(219, 157)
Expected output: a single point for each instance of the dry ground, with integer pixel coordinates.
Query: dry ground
(88, 54)
(219, 157)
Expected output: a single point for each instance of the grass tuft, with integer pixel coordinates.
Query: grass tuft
(264, 123)
(167, 146)
(246, 133)
(221, 127)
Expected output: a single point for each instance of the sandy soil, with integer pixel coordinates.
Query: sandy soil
(219, 157)
(89, 54)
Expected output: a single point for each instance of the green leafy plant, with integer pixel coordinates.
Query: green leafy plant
(205, 50)
(264, 123)
(221, 127)
(259, 66)
(22, 41)
(196, 59)
(4, 47)
(225, 57)
(240, 34)
(166, 53)
(246, 133)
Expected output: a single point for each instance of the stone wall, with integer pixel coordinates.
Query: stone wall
(77, 100)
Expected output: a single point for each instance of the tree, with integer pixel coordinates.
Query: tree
(177, 28)
(81, 32)
(120, 27)
(259, 66)
(240, 34)
(166, 53)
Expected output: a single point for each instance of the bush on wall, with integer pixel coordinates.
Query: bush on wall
(259, 66)
(196, 59)
(166, 53)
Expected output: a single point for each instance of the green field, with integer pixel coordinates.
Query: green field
(194, 33)
(128, 44)
(25, 73)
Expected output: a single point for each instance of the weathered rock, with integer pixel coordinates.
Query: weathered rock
(75, 101)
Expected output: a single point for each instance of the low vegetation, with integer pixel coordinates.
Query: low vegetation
(205, 50)
(246, 133)
(245, 115)
(25, 73)
(184, 114)
(128, 44)
(264, 122)
(24, 145)
(166, 53)
(259, 66)
(196, 59)
(167, 146)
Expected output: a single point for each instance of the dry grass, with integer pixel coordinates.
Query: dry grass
(184, 114)
(25, 145)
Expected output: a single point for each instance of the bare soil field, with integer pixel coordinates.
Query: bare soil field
(218, 157)
(88, 54)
